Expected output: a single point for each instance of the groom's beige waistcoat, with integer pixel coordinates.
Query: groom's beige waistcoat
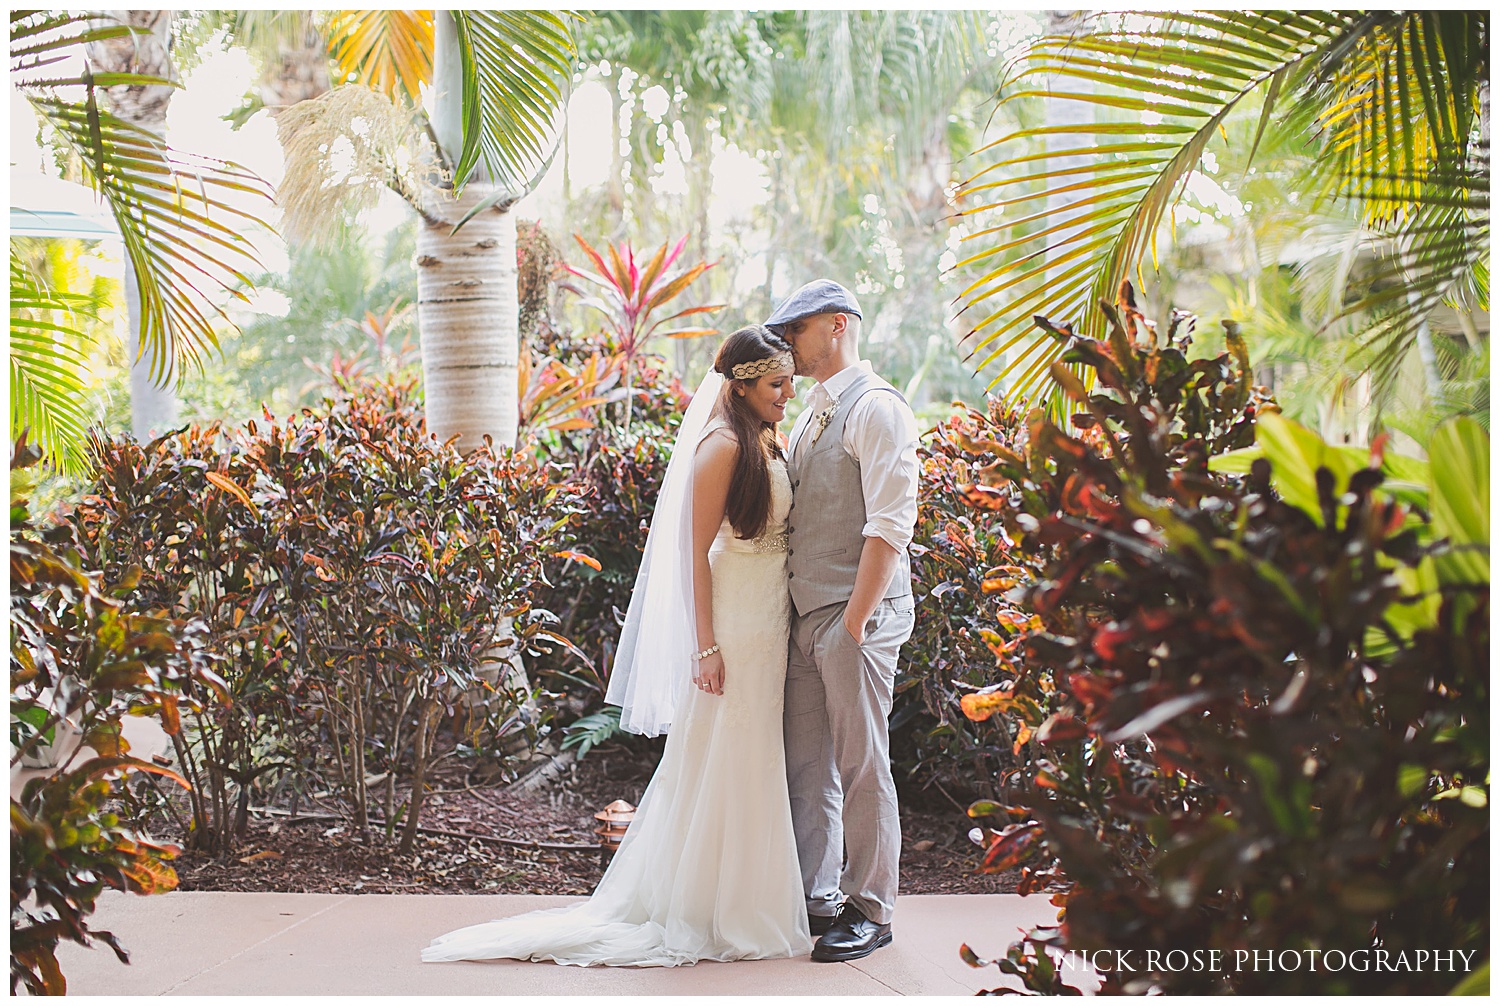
(828, 511)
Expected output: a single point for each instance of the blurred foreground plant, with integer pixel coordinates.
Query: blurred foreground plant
(1251, 744)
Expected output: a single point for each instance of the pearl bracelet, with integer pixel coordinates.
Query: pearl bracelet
(706, 653)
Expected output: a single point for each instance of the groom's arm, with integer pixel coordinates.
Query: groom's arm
(877, 561)
(881, 435)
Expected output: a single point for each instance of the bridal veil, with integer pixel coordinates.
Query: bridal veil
(654, 663)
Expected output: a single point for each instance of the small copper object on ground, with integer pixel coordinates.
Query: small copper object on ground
(613, 820)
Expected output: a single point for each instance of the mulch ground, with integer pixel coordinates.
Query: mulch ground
(325, 854)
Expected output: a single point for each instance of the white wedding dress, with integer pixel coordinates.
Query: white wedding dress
(707, 870)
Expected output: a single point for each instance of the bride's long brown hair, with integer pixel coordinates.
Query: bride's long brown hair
(749, 505)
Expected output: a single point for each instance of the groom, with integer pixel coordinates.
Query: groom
(853, 465)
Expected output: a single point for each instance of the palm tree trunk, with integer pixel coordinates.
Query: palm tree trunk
(468, 309)
(1432, 377)
(468, 315)
(776, 200)
(701, 184)
(153, 408)
(921, 307)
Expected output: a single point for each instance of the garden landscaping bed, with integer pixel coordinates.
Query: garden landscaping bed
(319, 852)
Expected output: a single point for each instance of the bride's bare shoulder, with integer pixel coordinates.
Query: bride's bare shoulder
(719, 437)
(718, 447)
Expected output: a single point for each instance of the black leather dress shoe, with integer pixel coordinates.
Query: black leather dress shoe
(819, 924)
(851, 937)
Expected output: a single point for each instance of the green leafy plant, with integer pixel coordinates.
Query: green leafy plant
(963, 567)
(172, 510)
(1453, 487)
(620, 472)
(557, 397)
(587, 732)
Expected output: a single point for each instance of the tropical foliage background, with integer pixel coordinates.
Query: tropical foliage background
(518, 232)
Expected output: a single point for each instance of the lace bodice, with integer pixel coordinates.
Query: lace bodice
(774, 537)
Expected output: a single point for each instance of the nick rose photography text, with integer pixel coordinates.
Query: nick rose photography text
(1148, 961)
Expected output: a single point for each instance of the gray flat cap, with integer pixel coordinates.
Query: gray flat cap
(821, 296)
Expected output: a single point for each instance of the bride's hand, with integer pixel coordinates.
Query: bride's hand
(710, 676)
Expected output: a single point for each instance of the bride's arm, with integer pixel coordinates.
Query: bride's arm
(712, 467)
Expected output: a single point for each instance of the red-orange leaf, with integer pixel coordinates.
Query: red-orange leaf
(1061, 728)
(1009, 850)
(980, 706)
(228, 484)
(587, 560)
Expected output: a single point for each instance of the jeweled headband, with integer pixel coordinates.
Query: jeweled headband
(758, 368)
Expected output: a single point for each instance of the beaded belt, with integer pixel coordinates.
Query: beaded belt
(770, 543)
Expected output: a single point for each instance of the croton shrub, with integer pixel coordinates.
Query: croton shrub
(85, 652)
(363, 584)
(619, 470)
(1265, 716)
(965, 566)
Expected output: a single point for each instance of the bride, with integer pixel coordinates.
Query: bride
(708, 868)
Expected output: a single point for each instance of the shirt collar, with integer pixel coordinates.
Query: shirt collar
(839, 383)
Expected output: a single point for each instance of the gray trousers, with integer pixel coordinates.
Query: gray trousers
(838, 761)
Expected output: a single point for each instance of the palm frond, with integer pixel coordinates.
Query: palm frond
(44, 38)
(266, 31)
(179, 216)
(49, 359)
(177, 213)
(895, 68)
(1389, 102)
(1398, 110)
(1327, 251)
(1400, 117)
(1190, 72)
(1434, 251)
(587, 732)
(388, 50)
(517, 69)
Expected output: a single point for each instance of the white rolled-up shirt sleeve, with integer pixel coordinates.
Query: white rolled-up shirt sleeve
(881, 434)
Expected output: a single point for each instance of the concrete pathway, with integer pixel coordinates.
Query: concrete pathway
(208, 943)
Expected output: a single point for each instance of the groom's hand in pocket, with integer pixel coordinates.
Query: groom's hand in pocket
(877, 564)
(710, 677)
